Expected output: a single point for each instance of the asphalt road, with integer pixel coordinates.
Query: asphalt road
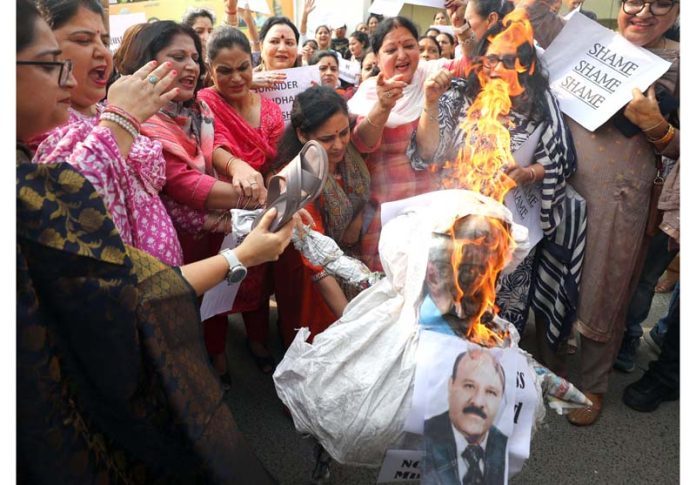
(623, 447)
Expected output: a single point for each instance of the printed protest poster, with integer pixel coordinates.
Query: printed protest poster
(297, 80)
(475, 401)
(400, 466)
(592, 71)
(348, 70)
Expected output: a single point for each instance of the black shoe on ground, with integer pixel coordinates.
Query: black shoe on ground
(626, 360)
(646, 394)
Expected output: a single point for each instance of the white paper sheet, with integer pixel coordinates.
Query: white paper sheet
(388, 8)
(220, 298)
(592, 71)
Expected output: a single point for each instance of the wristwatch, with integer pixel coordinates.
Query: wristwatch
(237, 270)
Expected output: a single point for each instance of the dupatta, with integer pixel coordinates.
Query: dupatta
(185, 132)
(234, 134)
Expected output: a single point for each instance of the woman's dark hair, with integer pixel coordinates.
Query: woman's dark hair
(273, 21)
(322, 27)
(427, 37)
(318, 56)
(486, 7)
(361, 37)
(27, 15)
(312, 41)
(451, 39)
(431, 29)
(534, 81)
(150, 40)
(375, 68)
(192, 14)
(58, 12)
(310, 110)
(389, 24)
(226, 37)
(374, 15)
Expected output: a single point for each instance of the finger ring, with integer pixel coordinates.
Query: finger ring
(153, 79)
(389, 94)
(253, 183)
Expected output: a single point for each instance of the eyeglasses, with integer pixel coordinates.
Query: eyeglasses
(658, 8)
(492, 60)
(66, 68)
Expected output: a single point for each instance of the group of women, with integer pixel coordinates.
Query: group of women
(170, 151)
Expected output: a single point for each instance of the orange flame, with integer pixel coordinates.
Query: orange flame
(480, 166)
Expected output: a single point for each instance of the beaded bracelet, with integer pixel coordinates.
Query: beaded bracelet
(120, 121)
(123, 113)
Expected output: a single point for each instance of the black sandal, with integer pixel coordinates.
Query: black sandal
(265, 364)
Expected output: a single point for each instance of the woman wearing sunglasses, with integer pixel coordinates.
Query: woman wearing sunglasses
(616, 173)
(537, 128)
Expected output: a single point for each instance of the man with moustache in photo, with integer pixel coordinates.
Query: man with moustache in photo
(461, 445)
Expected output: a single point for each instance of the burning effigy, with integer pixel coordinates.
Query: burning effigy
(420, 362)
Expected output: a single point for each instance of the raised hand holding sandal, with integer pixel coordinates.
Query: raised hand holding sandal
(304, 179)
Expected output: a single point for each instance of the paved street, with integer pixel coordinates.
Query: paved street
(623, 447)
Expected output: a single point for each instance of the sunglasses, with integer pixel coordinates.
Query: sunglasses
(658, 8)
(492, 60)
(66, 68)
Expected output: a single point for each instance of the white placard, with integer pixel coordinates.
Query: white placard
(260, 6)
(283, 94)
(388, 8)
(348, 71)
(118, 24)
(592, 71)
(447, 29)
(428, 3)
(220, 298)
(525, 204)
(400, 466)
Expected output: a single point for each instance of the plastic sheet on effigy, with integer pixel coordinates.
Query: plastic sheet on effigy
(356, 388)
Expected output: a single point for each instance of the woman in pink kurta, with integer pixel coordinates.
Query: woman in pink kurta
(129, 187)
(102, 141)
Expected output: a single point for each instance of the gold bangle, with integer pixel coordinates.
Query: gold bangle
(227, 166)
(666, 138)
(653, 127)
(369, 121)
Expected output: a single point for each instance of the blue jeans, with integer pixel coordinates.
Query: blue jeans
(656, 262)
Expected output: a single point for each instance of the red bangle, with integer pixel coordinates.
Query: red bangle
(110, 108)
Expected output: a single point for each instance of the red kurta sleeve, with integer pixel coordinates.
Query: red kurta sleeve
(186, 185)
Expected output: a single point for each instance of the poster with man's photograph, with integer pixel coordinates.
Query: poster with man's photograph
(474, 407)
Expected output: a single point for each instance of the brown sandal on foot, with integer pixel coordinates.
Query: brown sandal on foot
(588, 415)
